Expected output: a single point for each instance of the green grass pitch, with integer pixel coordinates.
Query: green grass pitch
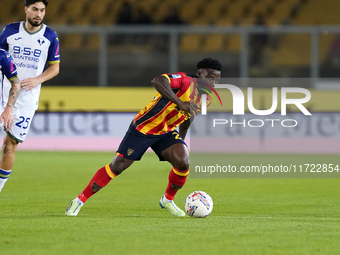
(250, 216)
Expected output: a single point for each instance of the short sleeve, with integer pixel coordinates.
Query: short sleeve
(8, 67)
(178, 80)
(53, 51)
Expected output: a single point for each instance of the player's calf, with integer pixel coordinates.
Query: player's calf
(177, 179)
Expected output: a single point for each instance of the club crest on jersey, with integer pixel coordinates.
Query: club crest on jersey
(130, 151)
(41, 41)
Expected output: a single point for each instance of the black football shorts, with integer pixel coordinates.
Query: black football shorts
(135, 143)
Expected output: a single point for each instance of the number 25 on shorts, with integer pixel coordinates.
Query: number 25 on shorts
(23, 123)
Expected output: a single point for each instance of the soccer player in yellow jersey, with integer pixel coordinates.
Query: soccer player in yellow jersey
(177, 101)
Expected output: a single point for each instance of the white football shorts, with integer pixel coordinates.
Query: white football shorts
(22, 119)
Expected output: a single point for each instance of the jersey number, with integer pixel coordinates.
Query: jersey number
(177, 135)
(23, 120)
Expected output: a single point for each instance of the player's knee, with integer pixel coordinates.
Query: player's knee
(8, 148)
(182, 164)
(115, 168)
(119, 164)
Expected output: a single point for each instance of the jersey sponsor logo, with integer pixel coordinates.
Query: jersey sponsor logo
(27, 66)
(25, 58)
(174, 76)
(26, 53)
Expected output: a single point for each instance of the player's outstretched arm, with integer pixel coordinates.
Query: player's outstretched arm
(7, 114)
(162, 85)
(49, 73)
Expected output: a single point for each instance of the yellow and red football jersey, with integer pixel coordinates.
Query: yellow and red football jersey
(161, 115)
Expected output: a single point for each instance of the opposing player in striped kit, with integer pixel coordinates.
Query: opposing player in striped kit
(155, 126)
(32, 45)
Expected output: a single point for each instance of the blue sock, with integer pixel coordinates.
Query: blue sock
(4, 174)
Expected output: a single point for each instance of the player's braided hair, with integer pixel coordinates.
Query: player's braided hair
(209, 63)
(30, 2)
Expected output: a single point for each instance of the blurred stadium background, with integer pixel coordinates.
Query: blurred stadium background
(104, 41)
(111, 49)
